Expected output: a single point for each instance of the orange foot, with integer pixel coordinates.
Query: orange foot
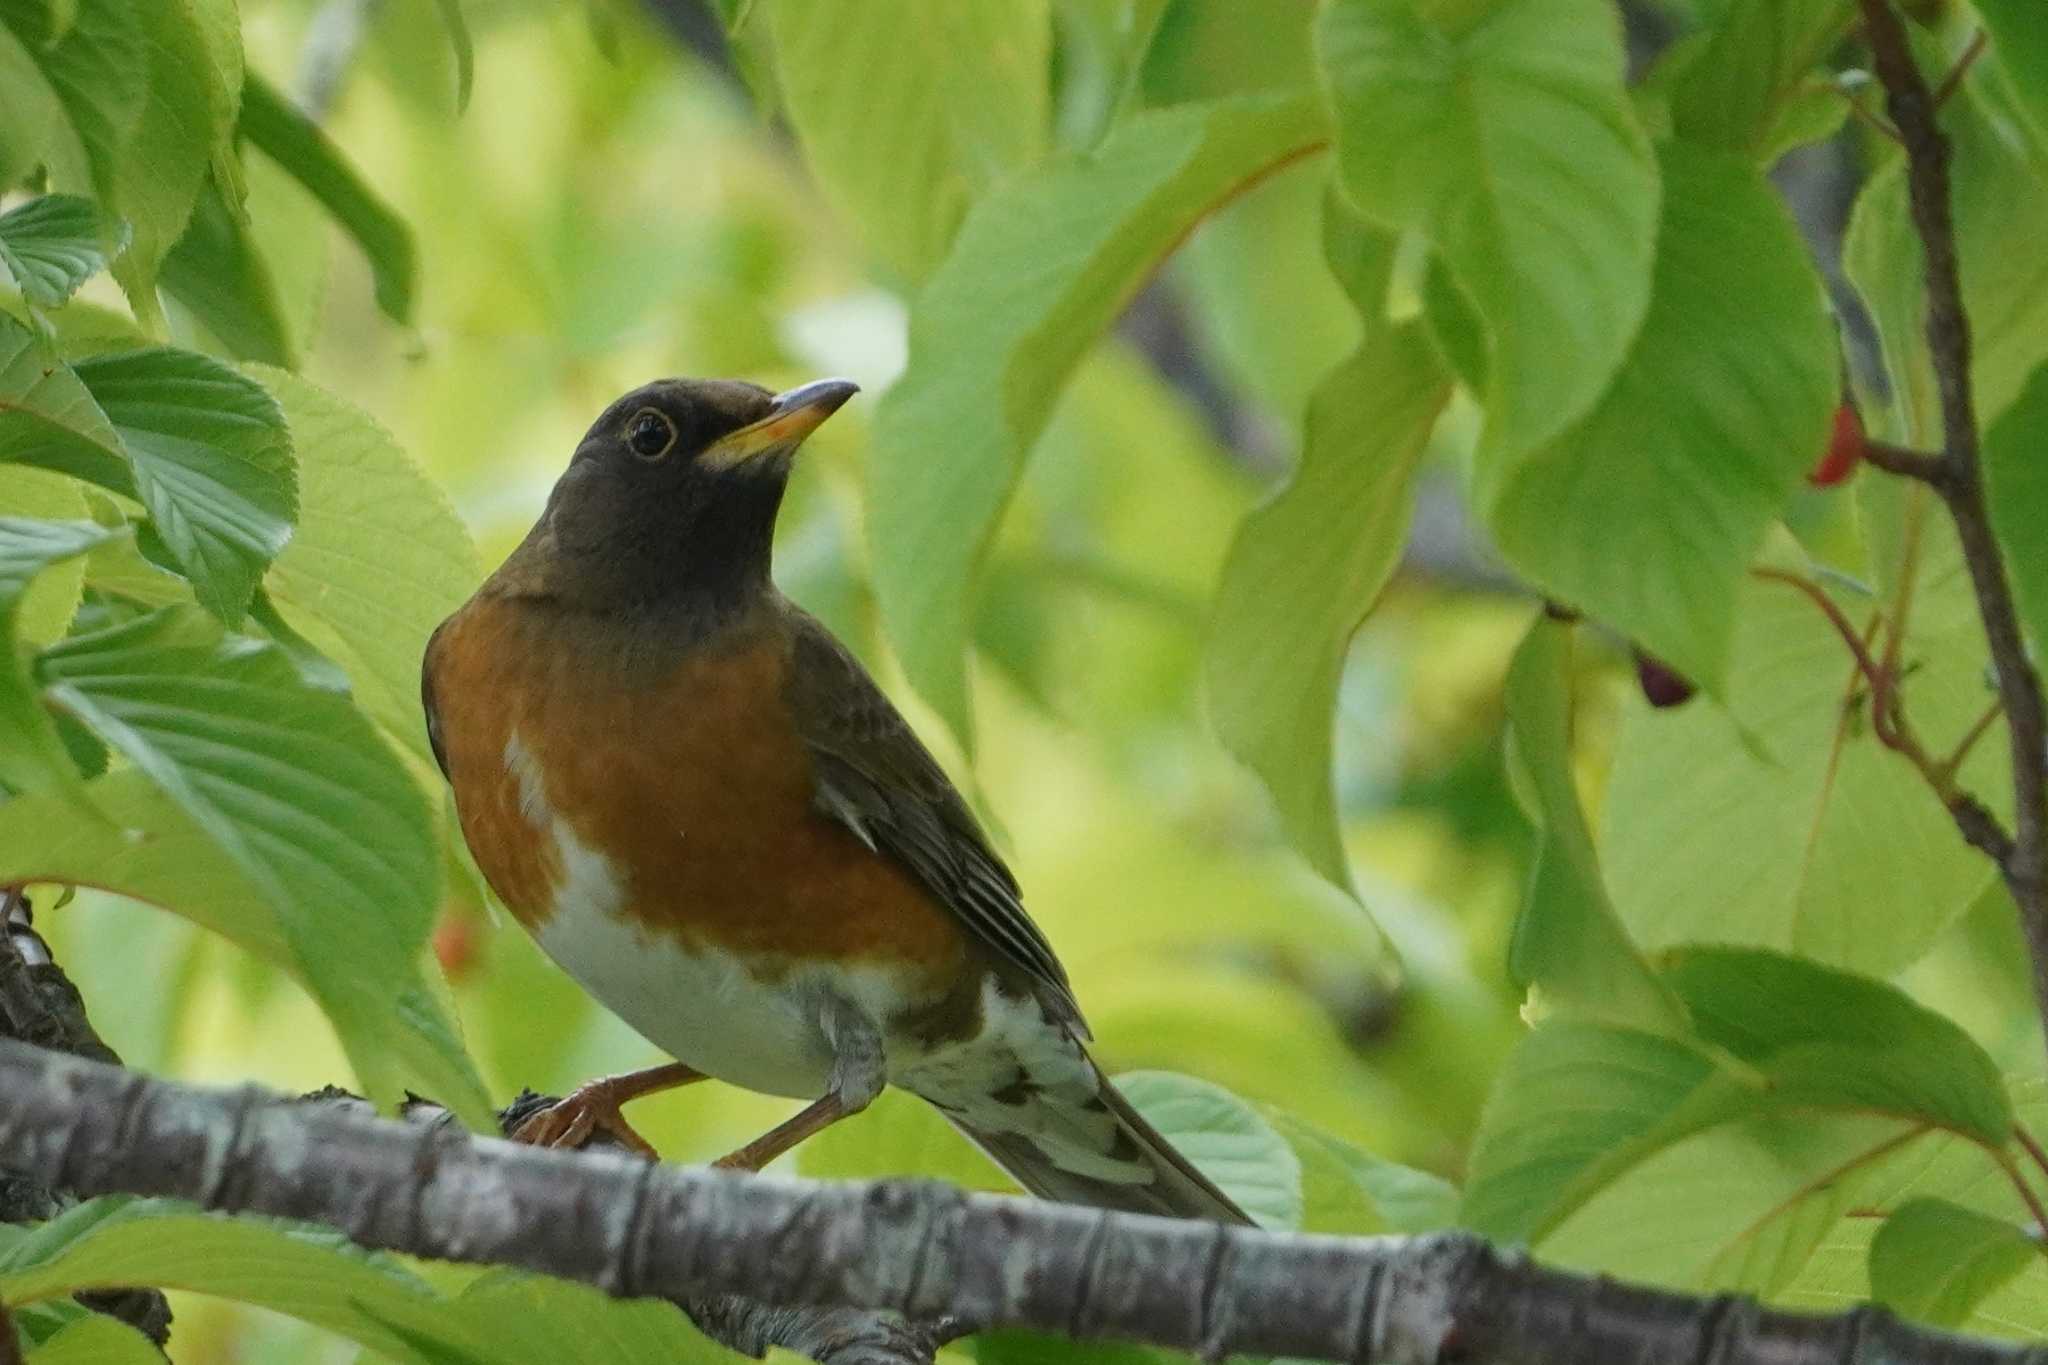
(594, 1108)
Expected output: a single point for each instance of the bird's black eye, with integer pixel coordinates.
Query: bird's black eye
(651, 434)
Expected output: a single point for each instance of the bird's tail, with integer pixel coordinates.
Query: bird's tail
(1097, 1150)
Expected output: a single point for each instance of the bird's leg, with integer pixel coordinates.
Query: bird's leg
(814, 1117)
(858, 1074)
(594, 1107)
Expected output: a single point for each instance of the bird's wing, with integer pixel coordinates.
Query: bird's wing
(875, 777)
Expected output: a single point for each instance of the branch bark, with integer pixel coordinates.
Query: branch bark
(39, 1005)
(1956, 473)
(924, 1250)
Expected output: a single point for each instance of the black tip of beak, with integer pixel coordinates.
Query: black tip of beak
(824, 396)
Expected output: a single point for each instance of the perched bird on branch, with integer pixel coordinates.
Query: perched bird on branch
(702, 807)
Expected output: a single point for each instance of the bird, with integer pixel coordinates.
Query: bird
(707, 813)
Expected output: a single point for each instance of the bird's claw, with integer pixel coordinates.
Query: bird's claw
(572, 1121)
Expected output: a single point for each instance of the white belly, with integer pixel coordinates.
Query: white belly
(700, 1007)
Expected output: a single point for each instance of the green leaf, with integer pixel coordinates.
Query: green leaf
(48, 418)
(212, 462)
(965, 104)
(1735, 92)
(1306, 568)
(465, 53)
(1505, 138)
(217, 271)
(2019, 44)
(315, 1277)
(1575, 1106)
(379, 558)
(97, 1340)
(1349, 1191)
(898, 1135)
(45, 611)
(1998, 196)
(296, 143)
(1579, 1105)
(2016, 487)
(1740, 1208)
(1647, 512)
(32, 757)
(1569, 945)
(1227, 1139)
(1937, 1261)
(294, 785)
(1825, 1038)
(141, 93)
(1040, 267)
(148, 848)
(1782, 822)
(51, 245)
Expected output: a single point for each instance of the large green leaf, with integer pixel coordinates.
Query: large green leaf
(1937, 1261)
(1647, 512)
(1999, 196)
(1739, 1208)
(148, 848)
(296, 143)
(47, 417)
(217, 271)
(1575, 1106)
(379, 557)
(2016, 487)
(1937, 1166)
(97, 1339)
(1580, 1105)
(909, 109)
(1827, 1038)
(212, 461)
(2020, 47)
(1569, 945)
(1307, 567)
(1736, 90)
(1231, 1142)
(1501, 132)
(1782, 821)
(141, 96)
(32, 757)
(1351, 1192)
(51, 245)
(45, 611)
(1040, 267)
(294, 785)
(316, 1277)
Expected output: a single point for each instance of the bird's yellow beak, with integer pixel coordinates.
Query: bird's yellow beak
(796, 414)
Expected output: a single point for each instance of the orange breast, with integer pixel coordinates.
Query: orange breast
(690, 778)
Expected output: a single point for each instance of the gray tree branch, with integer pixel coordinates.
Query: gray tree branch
(924, 1250)
(1956, 473)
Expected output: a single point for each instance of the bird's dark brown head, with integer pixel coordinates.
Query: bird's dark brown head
(671, 497)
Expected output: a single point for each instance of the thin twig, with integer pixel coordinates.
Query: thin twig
(1954, 762)
(1888, 720)
(1960, 481)
(1911, 464)
(1866, 115)
(2019, 1182)
(1953, 81)
(2032, 1146)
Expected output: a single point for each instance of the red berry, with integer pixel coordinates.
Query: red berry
(455, 944)
(1663, 686)
(1845, 451)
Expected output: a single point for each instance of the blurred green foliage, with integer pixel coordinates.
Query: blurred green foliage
(1420, 904)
